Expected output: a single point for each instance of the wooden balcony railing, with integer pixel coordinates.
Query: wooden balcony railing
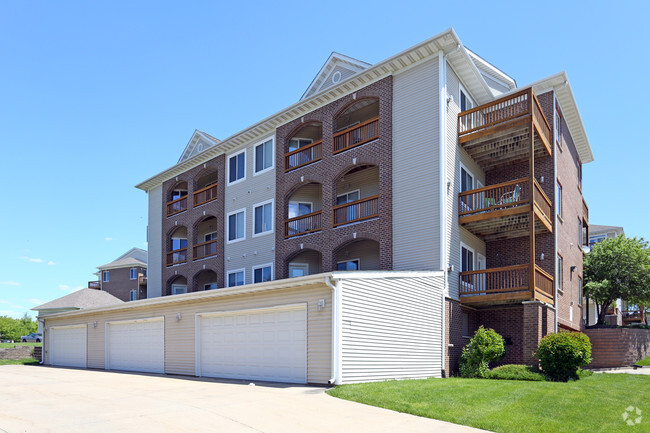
(205, 195)
(177, 256)
(177, 206)
(634, 315)
(494, 197)
(303, 224)
(358, 210)
(585, 210)
(507, 279)
(356, 135)
(502, 111)
(94, 285)
(205, 249)
(303, 156)
(544, 284)
(542, 202)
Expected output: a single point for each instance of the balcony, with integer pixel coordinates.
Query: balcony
(498, 133)
(177, 206)
(204, 195)
(509, 284)
(356, 135)
(355, 211)
(94, 285)
(142, 280)
(303, 156)
(502, 211)
(205, 249)
(176, 257)
(633, 314)
(303, 224)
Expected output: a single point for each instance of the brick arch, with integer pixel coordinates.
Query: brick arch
(195, 226)
(293, 131)
(295, 187)
(174, 185)
(368, 161)
(203, 172)
(296, 253)
(350, 239)
(195, 278)
(351, 102)
(171, 280)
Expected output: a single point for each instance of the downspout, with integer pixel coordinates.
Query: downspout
(442, 155)
(41, 321)
(557, 310)
(335, 368)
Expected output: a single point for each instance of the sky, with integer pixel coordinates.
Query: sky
(99, 96)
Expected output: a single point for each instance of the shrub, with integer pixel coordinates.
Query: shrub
(561, 354)
(485, 346)
(516, 372)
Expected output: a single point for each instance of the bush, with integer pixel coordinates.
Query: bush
(561, 354)
(485, 346)
(516, 372)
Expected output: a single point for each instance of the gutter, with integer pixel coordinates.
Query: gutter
(335, 369)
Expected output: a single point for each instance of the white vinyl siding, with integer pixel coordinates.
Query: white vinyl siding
(154, 243)
(391, 328)
(416, 197)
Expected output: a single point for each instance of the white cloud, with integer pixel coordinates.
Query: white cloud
(31, 259)
(3, 301)
(9, 283)
(36, 301)
(69, 289)
(51, 263)
(108, 239)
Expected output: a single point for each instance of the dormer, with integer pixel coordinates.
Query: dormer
(337, 68)
(198, 143)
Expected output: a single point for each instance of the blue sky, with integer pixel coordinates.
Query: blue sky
(98, 96)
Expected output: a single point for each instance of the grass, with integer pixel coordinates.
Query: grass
(24, 361)
(19, 344)
(593, 404)
(644, 362)
(516, 372)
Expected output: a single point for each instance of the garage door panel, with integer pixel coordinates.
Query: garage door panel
(68, 347)
(136, 346)
(265, 344)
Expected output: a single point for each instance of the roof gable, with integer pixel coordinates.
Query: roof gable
(336, 69)
(197, 144)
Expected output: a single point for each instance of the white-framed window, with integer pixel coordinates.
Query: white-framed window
(236, 277)
(560, 273)
(178, 289)
(296, 143)
(133, 273)
(263, 273)
(348, 197)
(236, 225)
(349, 265)
(210, 286)
(466, 179)
(558, 199)
(133, 295)
(178, 243)
(178, 192)
(466, 258)
(464, 100)
(105, 276)
(264, 156)
(263, 218)
(209, 237)
(298, 208)
(593, 240)
(237, 167)
(298, 269)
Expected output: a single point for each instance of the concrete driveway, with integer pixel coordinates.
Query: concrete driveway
(47, 399)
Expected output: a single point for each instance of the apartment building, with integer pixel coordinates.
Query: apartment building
(396, 205)
(125, 277)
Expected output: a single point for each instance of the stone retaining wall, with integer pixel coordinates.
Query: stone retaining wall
(618, 347)
(16, 352)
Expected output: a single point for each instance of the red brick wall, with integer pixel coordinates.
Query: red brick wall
(120, 284)
(454, 334)
(618, 347)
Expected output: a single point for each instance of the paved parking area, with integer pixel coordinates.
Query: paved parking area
(47, 399)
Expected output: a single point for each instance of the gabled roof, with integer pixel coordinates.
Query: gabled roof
(491, 72)
(337, 68)
(84, 298)
(133, 257)
(197, 144)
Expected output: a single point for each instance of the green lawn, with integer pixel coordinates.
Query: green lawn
(19, 344)
(592, 404)
(645, 362)
(25, 361)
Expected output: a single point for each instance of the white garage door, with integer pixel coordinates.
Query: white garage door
(68, 346)
(137, 345)
(267, 344)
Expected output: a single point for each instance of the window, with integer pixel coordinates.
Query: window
(105, 276)
(466, 259)
(144, 272)
(579, 290)
(210, 286)
(558, 126)
(466, 102)
(466, 180)
(348, 265)
(579, 244)
(263, 273)
(178, 243)
(236, 278)
(560, 273)
(298, 269)
(263, 218)
(348, 197)
(465, 324)
(178, 289)
(133, 273)
(210, 237)
(179, 192)
(297, 143)
(236, 225)
(299, 208)
(264, 156)
(237, 167)
(593, 240)
(559, 200)
(133, 295)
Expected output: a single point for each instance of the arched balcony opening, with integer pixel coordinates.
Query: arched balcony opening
(307, 262)
(304, 211)
(177, 247)
(356, 125)
(178, 286)
(206, 188)
(205, 280)
(358, 255)
(177, 199)
(205, 244)
(357, 195)
(304, 147)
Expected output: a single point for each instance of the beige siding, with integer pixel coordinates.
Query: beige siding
(180, 334)
(366, 181)
(311, 193)
(391, 328)
(366, 251)
(154, 243)
(416, 173)
(255, 189)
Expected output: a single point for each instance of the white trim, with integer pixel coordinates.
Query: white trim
(177, 286)
(350, 192)
(467, 247)
(228, 241)
(255, 206)
(106, 279)
(306, 265)
(460, 173)
(131, 293)
(272, 140)
(228, 157)
(107, 364)
(266, 265)
(468, 96)
(136, 273)
(311, 206)
(234, 271)
(349, 260)
(480, 256)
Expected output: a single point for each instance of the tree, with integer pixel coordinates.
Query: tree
(617, 268)
(13, 329)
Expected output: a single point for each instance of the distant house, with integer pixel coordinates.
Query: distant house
(125, 277)
(600, 233)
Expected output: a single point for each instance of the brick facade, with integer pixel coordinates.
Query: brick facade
(618, 347)
(120, 284)
(327, 172)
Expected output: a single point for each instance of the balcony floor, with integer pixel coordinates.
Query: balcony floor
(503, 224)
